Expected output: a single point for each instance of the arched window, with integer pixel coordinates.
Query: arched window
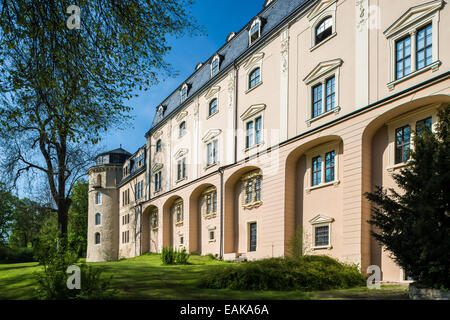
(158, 145)
(212, 107)
(99, 180)
(215, 65)
(183, 92)
(254, 78)
(98, 219)
(98, 198)
(324, 29)
(182, 128)
(255, 31)
(97, 238)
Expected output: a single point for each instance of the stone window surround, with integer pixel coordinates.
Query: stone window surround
(410, 119)
(248, 223)
(255, 61)
(209, 191)
(251, 114)
(255, 21)
(176, 204)
(321, 221)
(322, 150)
(399, 30)
(216, 57)
(323, 10)
(252, 175)
(317, 76)
(211, 228)
(101, 219)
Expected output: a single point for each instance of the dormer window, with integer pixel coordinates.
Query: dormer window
(230, 36)
(255, 31)
(160, 111)
(324, 29)
(184, 90)
(215, 65)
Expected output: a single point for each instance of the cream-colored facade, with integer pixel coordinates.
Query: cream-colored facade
(287, 134)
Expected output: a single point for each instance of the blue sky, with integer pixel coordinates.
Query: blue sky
(219, 18)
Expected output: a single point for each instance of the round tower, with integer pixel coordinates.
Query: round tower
(103, 212)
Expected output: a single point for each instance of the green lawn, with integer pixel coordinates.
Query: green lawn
(145, 277)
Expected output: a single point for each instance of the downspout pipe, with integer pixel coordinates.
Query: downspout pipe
(221, 214)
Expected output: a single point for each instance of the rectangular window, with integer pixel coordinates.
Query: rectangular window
(208, 204)
(181, 239)
(424, 47)
(258, 130)
(330, 94)
(316, 170)
(211, 235)
(249, 192)
(250, 132)
(321, 237)
(258, 189)
(179, 212)
(402, 144)
(158, 181)
(422, 125)
(252, 236)
(214, 201)
(316, 100)
(98, 198)
(329, 166)
(212, 153)
(403, 57)
(181, 169)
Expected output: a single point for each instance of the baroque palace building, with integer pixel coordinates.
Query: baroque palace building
(281, 132)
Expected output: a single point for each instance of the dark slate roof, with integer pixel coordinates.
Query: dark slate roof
(115, 151)
(271, 17)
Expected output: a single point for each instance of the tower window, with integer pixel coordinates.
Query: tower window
(98, 219)
(97, 238)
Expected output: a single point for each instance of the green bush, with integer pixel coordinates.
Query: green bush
(52, 282)
(16, 255)
(181, 257)
(173, 256)
(305, 273)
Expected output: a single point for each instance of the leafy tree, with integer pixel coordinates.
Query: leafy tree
(61, 88)
(78, 218)
(414, 223)
(26, 222)
(7, 205)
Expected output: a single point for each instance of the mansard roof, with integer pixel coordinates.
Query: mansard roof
(271, 16)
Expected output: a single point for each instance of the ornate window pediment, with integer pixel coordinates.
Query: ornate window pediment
(211, 92)
(157, 134)
(252, 110)
(321, 6)
(320, 218)
(253, 59)
(321, 69)
(157, 166)
(181, 152)
(412, 16)
(211, 134)
(181, 116)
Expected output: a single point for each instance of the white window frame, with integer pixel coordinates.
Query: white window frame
(322, 150)
(251, 114)
(216, 58)
(422, 15)
(410, 119)
(215, 149)
(183, 87)
(255, 21)
(209, 105)
(181, 161)
(320, 74)
(210, 229)
(178, 204)
(324, 9)
(252, 175)
(255, 61)
(159, 172)
(321, 221)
